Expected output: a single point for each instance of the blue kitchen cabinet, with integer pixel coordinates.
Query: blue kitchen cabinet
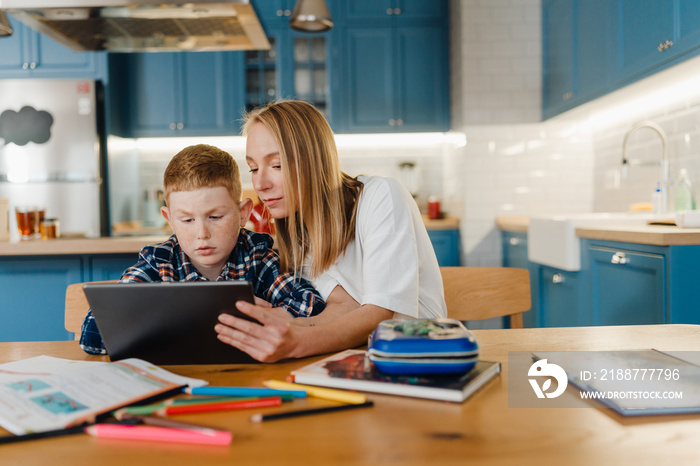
(628, 287)
(33, 291)
(578, 52)
(557, 298)
(395, 78)
(176, 94)
(593, 47)
(110, 266)
(446, 246)
(298, 65)
(363, 11)
(642, 284)
(29, 54)
(514, 248)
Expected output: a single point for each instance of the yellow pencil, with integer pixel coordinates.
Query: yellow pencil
(317, 392)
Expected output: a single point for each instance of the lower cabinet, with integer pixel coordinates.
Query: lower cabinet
(627, 286)
(556, 297)
(446, 246)
(33, 291)
(618, 284)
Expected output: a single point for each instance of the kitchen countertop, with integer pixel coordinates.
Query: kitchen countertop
(111, 245)
(128, 244)
(513, 222)
(655, 235)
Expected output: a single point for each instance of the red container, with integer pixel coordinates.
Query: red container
(433, 207)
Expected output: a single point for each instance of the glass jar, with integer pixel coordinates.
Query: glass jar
(50, 228)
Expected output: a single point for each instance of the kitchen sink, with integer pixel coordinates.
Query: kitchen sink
(552, 239)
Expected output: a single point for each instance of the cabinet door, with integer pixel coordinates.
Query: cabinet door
(33, 294)
(558, 298)
(446, 246)
(421, 80)
(272, 12)
(627, 287)
(57, 61)
(15, 51)
(204, 102)
(369, 93)
(558, 55)
(151, 93)
(110, 266)
(596, 23)
(515, 249)
(643, 29)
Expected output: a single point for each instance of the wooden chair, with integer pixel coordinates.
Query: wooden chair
(77, 307)
(477, 293)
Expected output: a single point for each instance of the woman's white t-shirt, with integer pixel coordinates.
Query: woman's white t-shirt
(391, 263)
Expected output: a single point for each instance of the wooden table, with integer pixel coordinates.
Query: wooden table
(407, 431)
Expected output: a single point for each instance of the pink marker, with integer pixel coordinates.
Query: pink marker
(160, 434)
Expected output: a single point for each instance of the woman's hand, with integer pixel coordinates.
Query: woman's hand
(270, 340)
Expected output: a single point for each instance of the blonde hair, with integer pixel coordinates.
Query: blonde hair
(202, 166)
(323, 223)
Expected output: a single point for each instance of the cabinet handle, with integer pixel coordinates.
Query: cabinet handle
(667, 44)
(389, 11)
(399, 122)
(567, 95)
(619, 258)
(25, 65)
(397, 11)
(283, 12)
(514, 241)
(173, 126)
(32, 65)
(180, 125)
(392, 122)
(557, 278)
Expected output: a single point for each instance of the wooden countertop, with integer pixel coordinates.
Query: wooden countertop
(447, 223)
(513, 222)
(655, 235)
(110, 245)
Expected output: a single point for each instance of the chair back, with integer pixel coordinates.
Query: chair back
(477, 293)
(77, 307)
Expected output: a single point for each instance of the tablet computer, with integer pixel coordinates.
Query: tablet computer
(167, 322)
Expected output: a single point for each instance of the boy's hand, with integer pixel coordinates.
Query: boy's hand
(270, 341)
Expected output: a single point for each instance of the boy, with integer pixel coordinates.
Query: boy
(202, 187)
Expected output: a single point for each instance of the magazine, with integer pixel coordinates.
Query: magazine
(351, 370)
(45, 393)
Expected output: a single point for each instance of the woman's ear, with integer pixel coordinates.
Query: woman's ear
(246, 207)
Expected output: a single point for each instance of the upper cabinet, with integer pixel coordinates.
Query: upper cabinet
(298, 65)
(28, 54)
(394, 68)
(176, 94)
(578, 44)
(377, 70)
(592, 47)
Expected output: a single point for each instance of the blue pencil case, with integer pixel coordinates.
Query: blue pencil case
(423, 346)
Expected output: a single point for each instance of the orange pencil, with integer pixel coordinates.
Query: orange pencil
(201, 408)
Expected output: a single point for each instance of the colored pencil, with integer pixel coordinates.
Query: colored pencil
(165, 422)
(201, 408)
(145, 410)
(306, 412)
(342, 396)
(40, 435)
(242, 391)
(159, 434)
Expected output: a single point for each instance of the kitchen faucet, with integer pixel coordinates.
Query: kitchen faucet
(664, 158)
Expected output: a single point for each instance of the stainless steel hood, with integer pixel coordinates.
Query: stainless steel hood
(144, 25)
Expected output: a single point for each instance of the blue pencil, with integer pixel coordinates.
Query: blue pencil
(243, 391)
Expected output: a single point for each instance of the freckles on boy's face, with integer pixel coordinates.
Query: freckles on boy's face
(206, 222)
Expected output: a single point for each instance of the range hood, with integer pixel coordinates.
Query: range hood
(143, 25)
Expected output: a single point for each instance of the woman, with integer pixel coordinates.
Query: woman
(360, 241)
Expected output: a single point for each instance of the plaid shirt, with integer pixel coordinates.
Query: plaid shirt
(252, 259)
